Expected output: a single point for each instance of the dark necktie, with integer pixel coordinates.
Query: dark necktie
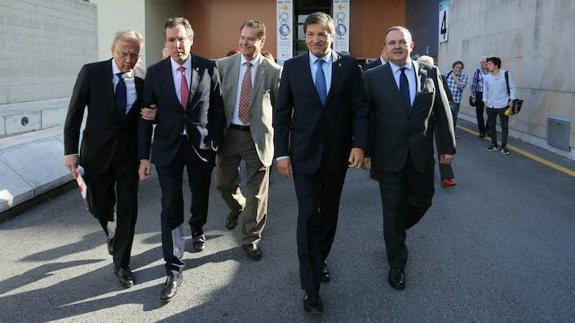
(246, 95)
(320, 84)
(121, 96)
(404, 88)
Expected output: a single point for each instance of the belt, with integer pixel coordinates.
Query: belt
(238, 127)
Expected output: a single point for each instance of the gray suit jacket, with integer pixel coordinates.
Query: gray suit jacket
(397, 132)
(264, 95)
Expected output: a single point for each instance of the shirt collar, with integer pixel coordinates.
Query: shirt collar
(255, 62)
(187, 64)
(327, 58)
(394, 68)
(116, 70)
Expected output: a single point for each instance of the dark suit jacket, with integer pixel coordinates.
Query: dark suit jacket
(106, 134)
(204, 117)
(311, 134)
(375, 63)
(398, 132)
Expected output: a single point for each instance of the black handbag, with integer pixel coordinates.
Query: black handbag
(516, 104)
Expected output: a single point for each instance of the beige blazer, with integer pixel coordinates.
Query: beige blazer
(264, 96)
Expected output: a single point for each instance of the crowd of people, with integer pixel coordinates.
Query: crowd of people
(315, 117)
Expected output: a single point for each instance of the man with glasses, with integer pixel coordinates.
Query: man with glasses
(108, 153)
(186, 91)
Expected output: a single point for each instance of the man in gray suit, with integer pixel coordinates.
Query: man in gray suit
(408, 104)
(250, 83)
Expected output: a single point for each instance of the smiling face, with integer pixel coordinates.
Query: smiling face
(398, 47)
(178, 43)
(318, 39)
(126, 54)
(250, 44)
(457, 68)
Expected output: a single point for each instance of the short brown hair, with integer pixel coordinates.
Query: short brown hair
(398, 28)
(175, 21)
(257, 25)
(319, 18)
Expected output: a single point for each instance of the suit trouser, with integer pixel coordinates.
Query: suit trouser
(479, 110)
(405, 195)
(318, 198)
(492, 119)
(238, 145)
(172, 217)
(118, 186)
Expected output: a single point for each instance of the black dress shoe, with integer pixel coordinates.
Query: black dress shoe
(396, 278)
(253, 250)
(170, 287)
(125, 276)
(232, 220)
(199, 242)
(312, 303)
(324, 276)
(111, 245)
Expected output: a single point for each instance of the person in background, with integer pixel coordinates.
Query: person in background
(477, 95)
(456, 82)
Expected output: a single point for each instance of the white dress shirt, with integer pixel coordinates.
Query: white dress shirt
(495, 90)
(130, 84)
(411, 74)
(326, 67)
(177, 75)
(255, 63)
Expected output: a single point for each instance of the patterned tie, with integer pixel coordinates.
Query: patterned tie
(184, 89)
(246, 95)
(404, 88)
(121, 96)
(320, 84)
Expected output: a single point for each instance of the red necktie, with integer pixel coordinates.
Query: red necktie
(246, 95)
(184, 89)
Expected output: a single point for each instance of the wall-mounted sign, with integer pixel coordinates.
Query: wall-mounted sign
(443, 23)
(341, 20)
(284, 10)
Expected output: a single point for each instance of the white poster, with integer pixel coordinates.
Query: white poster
(341, 20)
(284, 9)
(443, 23)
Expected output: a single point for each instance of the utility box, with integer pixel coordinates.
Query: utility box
(558, 132)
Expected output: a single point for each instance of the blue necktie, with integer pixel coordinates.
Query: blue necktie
(404, 88)
(320, 85)
(121, 96)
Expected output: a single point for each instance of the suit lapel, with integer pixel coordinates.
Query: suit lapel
(307, 77)
(107, 82)
(389, 83)
(195, 75)
(169, 86)
(335, 77)
(234, 70)
(261, 69)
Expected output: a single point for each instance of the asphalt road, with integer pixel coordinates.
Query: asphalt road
(498, 247)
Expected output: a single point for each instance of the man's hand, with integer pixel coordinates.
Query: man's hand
(445, 159)
(366, 163)
(284, 167)
(71, 162)
(355, 158)
(149, 113)
(144, 170)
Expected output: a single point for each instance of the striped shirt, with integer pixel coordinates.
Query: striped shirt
(477, 82)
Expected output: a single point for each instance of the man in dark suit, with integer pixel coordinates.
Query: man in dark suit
(108, 152)
(408, 103)
(382, 59)
(321, 128)
(186, 91)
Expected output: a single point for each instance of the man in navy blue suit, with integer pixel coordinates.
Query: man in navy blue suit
(321, 129)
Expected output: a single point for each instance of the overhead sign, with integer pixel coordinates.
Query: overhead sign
(341, 20)
(284, 10)
(443, 21)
